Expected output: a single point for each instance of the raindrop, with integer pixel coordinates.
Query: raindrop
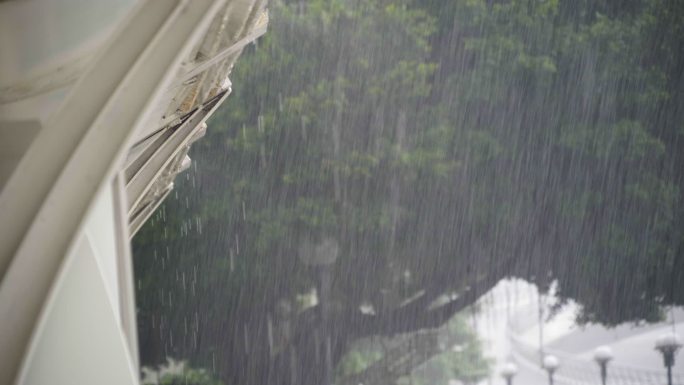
(269, 326)
(237, 245)
(246, 335)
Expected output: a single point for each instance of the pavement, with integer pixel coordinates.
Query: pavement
(508, 325)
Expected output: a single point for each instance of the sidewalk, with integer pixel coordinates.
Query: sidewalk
(636, 361)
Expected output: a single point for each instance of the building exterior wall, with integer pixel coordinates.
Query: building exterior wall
(116, 101)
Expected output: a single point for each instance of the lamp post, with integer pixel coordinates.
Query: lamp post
(551, 363)
(602, 355)
(509, 371)
(668, 345)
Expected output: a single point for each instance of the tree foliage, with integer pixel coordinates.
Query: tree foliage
(440, 146)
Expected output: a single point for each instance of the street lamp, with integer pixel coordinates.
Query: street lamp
(509, 371)
(602, 355)
(668, 344)
(551, 363)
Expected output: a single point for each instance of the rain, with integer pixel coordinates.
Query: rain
(430, 192)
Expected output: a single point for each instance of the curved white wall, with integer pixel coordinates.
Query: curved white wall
(80, 339)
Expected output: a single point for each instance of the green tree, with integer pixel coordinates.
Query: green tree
(434, 148)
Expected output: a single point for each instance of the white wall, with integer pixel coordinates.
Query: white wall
(79, 338)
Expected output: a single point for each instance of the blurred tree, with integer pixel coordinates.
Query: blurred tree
(377, 157)
(177, 373)
(451, 352)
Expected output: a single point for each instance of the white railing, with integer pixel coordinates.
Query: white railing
(577, 371)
